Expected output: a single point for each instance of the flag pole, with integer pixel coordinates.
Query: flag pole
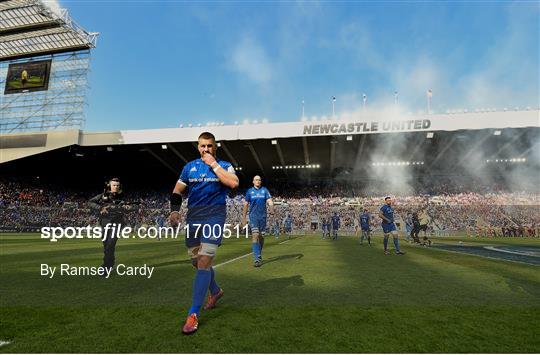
(429, 95)
(364, 99)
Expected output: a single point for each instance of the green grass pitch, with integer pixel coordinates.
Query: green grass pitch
(311, 295)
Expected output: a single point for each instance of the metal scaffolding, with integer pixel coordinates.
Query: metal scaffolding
(61, 106)
(30, 32)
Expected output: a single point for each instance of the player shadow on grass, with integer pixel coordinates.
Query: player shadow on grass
(280, 283)
(257, 294)
(283, 257)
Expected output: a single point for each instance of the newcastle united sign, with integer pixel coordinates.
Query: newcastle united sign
(366, 127)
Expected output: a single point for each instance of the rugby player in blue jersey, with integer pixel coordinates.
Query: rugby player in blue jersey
(207, 181)
(256, 199)
(328, 225)
(325, 227)
(364, 226)
(389, 227)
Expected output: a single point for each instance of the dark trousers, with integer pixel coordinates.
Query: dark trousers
(414, 234)
(109, 245)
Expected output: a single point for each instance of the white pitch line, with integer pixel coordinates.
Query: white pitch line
(2, 342)
(509, 251)
(481, 256)
(230, 261)
(241, 257)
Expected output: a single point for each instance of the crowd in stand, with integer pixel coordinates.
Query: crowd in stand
(452, 204)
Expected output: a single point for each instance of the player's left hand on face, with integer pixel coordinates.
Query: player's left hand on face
(208, 159)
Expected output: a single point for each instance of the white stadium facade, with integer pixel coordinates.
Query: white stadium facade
(309, 152)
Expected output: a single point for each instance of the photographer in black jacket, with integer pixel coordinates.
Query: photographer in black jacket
(111, 208)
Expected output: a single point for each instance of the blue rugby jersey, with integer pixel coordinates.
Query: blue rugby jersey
(364, 220)
(388, 212)
(206, 194)
(336, 221)
(257, 202)
(288, 222)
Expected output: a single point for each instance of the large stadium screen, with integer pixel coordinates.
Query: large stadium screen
(27, 77)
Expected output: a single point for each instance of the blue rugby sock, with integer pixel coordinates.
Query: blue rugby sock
(396, 243)
(214, 288)
(256, 250)
(200, 285)
(385, 243)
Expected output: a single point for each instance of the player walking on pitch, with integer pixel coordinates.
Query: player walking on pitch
(325, 227)
(256, 199)
(207, 181)
(364, 227)
(389, 227)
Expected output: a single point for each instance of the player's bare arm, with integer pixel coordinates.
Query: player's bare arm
(176, 202)
(226, 178)
(244, 213)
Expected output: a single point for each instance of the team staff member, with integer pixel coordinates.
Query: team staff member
(336, 223)
(416, 227)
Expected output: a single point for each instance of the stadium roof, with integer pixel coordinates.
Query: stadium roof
(284, 150)
(29, 28)
(370, 123)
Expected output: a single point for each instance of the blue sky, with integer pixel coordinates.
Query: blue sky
(162, 63)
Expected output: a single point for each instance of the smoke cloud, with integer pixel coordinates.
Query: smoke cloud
(53, 6)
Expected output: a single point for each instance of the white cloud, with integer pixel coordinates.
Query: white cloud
(511, 74)
(504, 74)
(412, 80)
(249, 58)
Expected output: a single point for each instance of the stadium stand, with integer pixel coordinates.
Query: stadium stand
(497, 212)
